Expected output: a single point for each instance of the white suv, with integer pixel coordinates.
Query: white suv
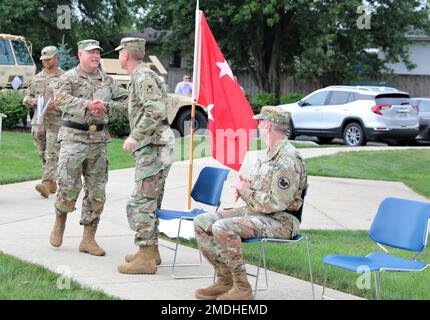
(356, 114)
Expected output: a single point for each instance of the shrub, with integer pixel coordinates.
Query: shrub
(263, 99)
(118, 127)
(291, 97)
(11, 105)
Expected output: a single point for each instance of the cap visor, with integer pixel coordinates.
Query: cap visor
(46, 57)
(92, 48)
(119, 47)
(258, 117)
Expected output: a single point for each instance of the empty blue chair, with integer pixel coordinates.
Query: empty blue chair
(399, 223)
(262, 254)
(207, 190)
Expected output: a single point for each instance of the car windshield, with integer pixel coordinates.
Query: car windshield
(393, 99)
(6, 56)
(21, 53)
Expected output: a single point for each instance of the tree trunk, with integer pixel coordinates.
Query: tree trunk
(268, 59)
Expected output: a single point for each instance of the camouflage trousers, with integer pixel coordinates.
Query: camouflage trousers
(152, 167)
(87, 160)
(45, 141)
(219, 234)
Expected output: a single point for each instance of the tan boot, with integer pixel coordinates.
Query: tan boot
(223, 283)
(130, 257)
(44, 188)
(53, 187)
(88, 243)
(144, 263)
(241, 288)
(56, 238)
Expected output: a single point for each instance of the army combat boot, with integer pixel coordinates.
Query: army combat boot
(241, 288)
(130, 257)
(56, 238)
(88, 243)
(44, 188)
(53, 187)
(143, 263)
(223, 283)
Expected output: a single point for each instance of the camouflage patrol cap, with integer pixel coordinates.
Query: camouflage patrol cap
(48, 52)
(132, 44)
(89, 44)
(274, 114)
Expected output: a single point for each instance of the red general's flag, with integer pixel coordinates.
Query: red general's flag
(231, 126)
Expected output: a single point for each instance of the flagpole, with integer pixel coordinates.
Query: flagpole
(195, 94)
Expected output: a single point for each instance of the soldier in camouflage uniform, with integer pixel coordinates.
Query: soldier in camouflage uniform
(45, 129)
(272, 196)
(85, 95)
(151, 140)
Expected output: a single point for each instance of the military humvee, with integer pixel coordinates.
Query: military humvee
(17, 67)
(178, 106)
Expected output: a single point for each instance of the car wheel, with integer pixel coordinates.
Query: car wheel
(324, 140)
(183, 121)
(353, 135)
(291, 134)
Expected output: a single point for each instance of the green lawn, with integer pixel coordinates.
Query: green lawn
(291, 260)
(19, 160)
(22, 280)
(411, 167)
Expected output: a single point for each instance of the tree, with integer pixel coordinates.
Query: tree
(336, 47)
(65, 60)
(37, 20)
(312, 39)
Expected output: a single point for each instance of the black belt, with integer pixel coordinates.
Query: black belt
(83, 127)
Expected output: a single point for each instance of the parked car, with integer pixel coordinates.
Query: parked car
(424, 117)
(355, 113)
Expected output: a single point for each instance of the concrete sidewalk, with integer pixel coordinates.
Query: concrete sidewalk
(26, 220)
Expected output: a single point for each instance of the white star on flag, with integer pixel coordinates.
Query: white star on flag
(210, 116)
(225, 69)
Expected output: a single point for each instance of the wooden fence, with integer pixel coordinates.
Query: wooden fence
(416, 85)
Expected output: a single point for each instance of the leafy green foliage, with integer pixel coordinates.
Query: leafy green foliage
(37, 21)
(118, 127)
(65, 60)
(320, 40)
(263, 99)
(291, 97)
(11, 105)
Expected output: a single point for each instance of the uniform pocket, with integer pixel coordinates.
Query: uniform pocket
(148, 162)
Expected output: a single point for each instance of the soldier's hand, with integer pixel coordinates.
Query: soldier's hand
(33, 101)
(209, 231)
(51, 106)
(129, 144)
(242, 184)
(236, 194)
(96, 107)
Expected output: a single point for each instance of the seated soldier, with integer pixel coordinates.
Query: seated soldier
(272, 196)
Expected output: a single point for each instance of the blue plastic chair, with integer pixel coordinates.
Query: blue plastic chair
(207, 190)
(399, 223)
(262, 254)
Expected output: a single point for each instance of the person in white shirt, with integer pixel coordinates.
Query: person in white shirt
(185, 87)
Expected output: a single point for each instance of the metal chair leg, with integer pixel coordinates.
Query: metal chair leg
(265, 266)
(378, 284)
(175, 265)
(325, 283)
(310, 267)
(258, 268)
